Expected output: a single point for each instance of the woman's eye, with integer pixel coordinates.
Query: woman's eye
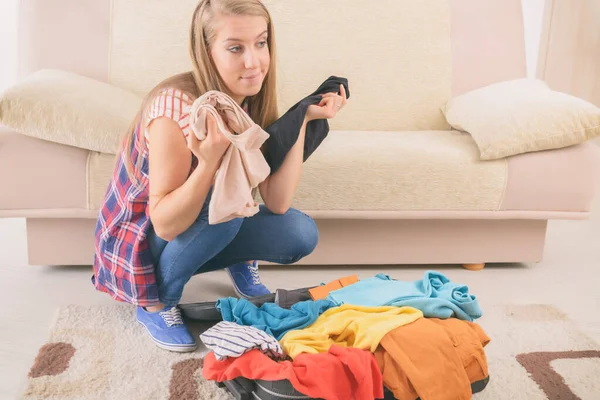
(237, 49)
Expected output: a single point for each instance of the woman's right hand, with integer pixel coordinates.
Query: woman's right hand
(330, 104)
(213, 147)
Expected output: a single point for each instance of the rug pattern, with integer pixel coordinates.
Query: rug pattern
(536, 352)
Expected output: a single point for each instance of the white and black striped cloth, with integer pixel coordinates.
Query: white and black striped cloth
(228, 339)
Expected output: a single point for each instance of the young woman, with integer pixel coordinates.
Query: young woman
(152, 233)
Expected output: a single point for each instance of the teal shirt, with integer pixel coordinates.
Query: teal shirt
(435, 295)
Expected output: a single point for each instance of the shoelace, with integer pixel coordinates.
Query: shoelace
(172, 316)
(254, 272)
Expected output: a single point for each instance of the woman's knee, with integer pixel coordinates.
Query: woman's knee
(185, 254)
(304, 234)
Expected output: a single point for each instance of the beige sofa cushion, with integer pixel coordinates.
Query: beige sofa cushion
(520, 116)
(400, 171)
(70, 109)
(393, 171)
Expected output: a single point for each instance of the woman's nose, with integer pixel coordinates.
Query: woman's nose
(251, 60)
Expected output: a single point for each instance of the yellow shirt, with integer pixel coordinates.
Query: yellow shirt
(348, 326)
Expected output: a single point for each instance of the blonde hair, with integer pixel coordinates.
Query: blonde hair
(204, 75)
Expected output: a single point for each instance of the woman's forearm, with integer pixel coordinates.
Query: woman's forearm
(278, 189)
(175, 212)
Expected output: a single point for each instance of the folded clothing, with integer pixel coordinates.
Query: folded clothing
(433, 359)
(243, 165)
(349, 326)
(340, 374)
(228, 339)
(271, 318)
(284, 131)
(435, 295)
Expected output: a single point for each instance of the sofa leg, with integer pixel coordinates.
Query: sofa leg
(474, 267)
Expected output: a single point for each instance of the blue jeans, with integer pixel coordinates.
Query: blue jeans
(280, 238)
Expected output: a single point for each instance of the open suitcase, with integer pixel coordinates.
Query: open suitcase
(246, 389)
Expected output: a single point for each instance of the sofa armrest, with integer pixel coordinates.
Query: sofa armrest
(40, 175)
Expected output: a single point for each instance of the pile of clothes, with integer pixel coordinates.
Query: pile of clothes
(355, 339)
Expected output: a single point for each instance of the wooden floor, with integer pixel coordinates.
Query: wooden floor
(568, 278)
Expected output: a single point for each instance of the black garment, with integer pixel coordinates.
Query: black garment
(283, 298)
(287, 298)
(284, 132)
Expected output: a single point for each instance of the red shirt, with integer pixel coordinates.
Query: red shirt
(342, 373)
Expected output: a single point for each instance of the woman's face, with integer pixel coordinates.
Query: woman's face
(241, 54)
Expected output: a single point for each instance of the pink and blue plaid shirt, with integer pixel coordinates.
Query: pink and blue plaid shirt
(123, 262)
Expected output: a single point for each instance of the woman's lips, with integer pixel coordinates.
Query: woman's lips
(251, 77)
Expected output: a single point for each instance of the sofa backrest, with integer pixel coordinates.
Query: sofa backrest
(71, 35)
(403, 58)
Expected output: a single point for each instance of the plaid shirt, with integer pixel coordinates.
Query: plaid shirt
(123, 263)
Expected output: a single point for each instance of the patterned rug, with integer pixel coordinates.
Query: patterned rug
(536, 352)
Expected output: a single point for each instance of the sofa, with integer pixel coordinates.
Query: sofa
(393, 183)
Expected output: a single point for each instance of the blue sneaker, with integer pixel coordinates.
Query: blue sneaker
(167, 329)
(246, 281)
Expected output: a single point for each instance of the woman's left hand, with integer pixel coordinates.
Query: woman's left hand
(328, 107)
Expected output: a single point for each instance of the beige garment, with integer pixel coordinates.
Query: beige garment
(243, 166)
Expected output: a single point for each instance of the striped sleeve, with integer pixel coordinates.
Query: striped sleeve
(228, 339)
(173, 104)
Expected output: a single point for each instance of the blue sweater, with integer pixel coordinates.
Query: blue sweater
(434, 295)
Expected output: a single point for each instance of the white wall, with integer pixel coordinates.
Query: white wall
(532, 10)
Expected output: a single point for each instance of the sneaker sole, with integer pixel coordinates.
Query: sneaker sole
(183, 348)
